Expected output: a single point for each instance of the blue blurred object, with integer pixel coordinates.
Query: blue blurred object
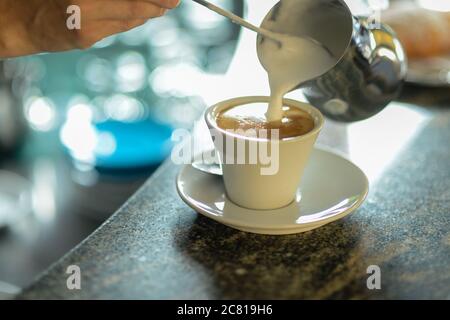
(113, 144)
(136, 144)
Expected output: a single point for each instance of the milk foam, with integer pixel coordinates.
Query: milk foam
(290, 64)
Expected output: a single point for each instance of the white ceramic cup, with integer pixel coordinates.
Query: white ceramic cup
(245, 184)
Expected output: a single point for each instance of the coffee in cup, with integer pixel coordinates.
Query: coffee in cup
(294, 122)
(239, 122)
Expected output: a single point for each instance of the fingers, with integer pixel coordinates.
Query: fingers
(121, 10)
(97, 30)
(168, 4)
(102, 18)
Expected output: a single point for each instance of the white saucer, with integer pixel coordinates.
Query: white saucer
(331, 188)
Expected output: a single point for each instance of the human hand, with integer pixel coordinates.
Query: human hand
(32, 26)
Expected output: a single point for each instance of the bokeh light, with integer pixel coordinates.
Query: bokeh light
(40, 113)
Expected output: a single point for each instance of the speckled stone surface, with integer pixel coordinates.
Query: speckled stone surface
(156, 247)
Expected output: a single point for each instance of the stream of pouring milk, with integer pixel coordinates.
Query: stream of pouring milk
(290, 63)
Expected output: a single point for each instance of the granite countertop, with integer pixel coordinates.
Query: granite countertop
(156, 247)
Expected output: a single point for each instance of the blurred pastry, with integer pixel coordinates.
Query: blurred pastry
(423, 33)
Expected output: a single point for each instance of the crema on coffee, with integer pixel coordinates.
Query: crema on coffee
(294, 122)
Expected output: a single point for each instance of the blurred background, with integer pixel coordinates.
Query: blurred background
(80, 132)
